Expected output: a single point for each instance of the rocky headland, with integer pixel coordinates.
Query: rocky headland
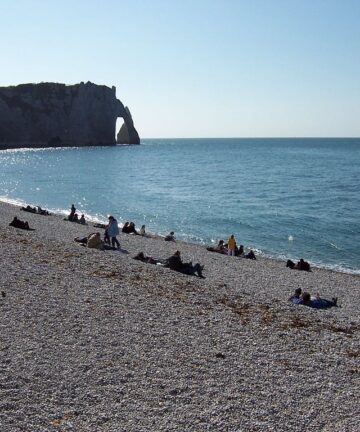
(59, 115)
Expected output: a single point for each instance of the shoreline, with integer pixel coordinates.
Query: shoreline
(92, 219)
(94, 340)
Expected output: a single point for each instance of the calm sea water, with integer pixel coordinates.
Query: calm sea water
(283, 197)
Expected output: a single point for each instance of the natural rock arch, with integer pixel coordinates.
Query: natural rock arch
(52, 114)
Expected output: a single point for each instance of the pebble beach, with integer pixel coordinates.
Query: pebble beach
(96, 341)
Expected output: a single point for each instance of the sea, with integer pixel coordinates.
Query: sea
(284, 198)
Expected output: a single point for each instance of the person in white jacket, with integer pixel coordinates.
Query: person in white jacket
(113, 231)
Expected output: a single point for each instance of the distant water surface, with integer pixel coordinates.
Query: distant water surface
(282, 197)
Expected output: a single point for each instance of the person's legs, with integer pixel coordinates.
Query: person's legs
(198, 269)
(187, 268)
(114, 241)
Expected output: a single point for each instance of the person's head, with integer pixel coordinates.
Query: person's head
(132, 224)
(111, 218)
(305, 297)
(177, 253)
(172, 233)
(221, 242)
(142, 226)
(301, 260)
(298, 292)
(232, 236)
(241, 248)
(140, 256)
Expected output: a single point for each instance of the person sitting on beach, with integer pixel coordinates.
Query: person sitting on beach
(250, 255)
(132, 229)
(82, 220)
(296, 297)
(231, 245)
(170, 237)
(175, 263)
(142, 230)
(94, 241)
(125, 228)
(220, 248)
(76, 218)
(314, 302)
(17, 223)
(301, 265)
(239, 251)
(113, 231)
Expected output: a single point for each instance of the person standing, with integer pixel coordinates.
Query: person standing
(113, 231)
(231, 245)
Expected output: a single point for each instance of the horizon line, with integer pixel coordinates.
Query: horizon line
(261, 137)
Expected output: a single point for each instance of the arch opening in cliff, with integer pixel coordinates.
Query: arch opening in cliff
(119, 124)
(53, 114)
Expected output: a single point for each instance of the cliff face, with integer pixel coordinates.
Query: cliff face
(49, 114)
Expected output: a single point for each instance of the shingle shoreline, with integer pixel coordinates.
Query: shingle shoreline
(96, 341)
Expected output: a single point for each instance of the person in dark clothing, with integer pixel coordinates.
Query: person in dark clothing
(250, 255)
(147, 259)
(17, 223)
(29, 209)
(132, 229)
(72, 213)
(125, 228)
(170, 237)
(296, 297)
(106, 237)
(290, 264)
(220, 248)
(239, 251)
(175, 263)
(301, 265)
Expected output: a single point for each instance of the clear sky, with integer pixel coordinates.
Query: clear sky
(198, 68)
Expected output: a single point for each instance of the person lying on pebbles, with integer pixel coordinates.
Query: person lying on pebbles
(304, 298)
(174, 263)
(17, 223)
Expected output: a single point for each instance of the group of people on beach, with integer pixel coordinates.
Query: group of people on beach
(230, 248)
(36, 210)
(94, 240)
(300, 265)
(74, 217)
(129, 228)
(174, 262)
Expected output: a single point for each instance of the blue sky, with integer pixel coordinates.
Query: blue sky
(198, 68)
